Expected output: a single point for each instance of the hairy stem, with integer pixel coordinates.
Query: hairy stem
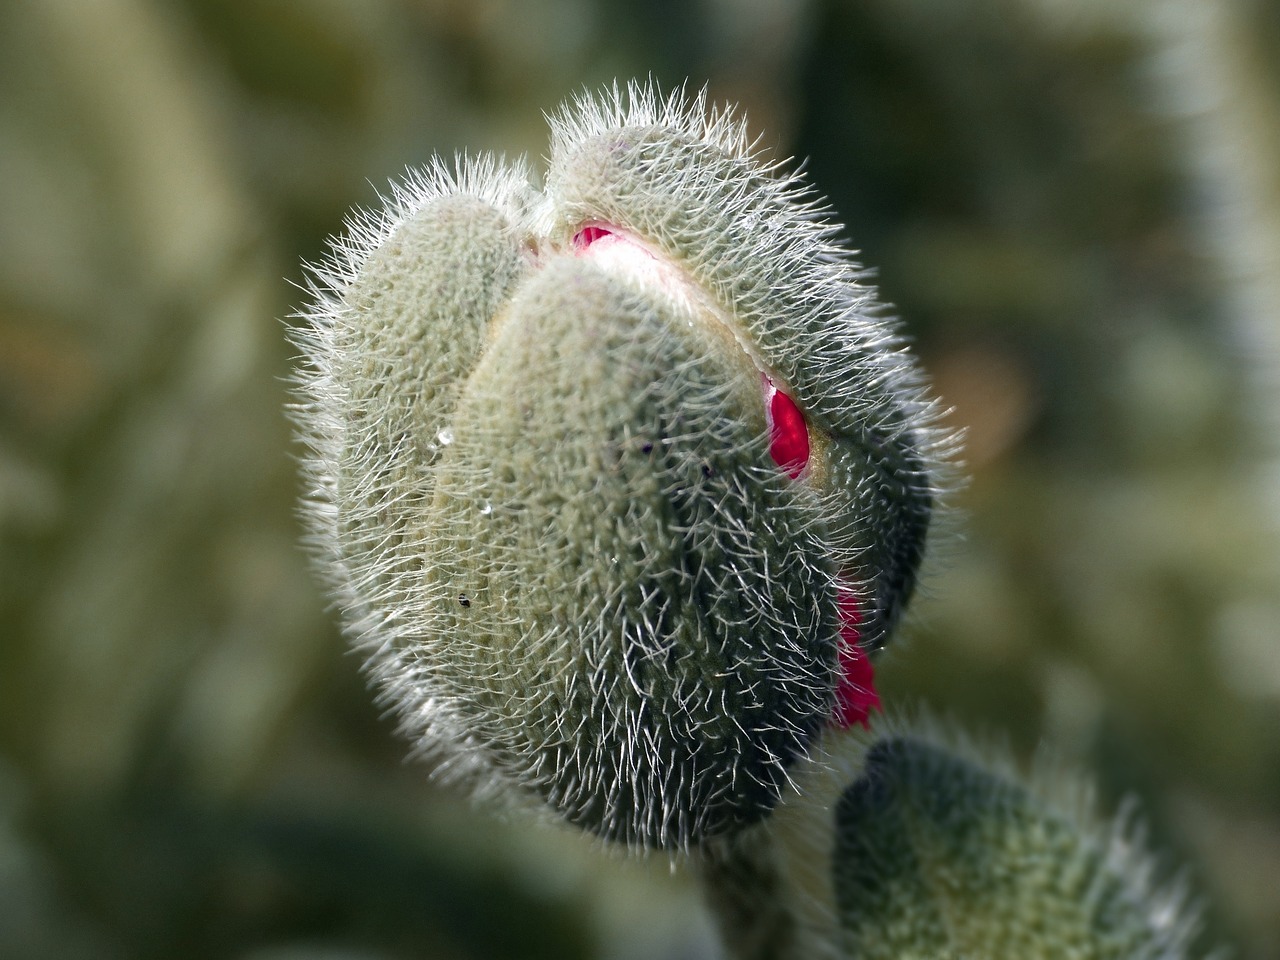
(745, 889)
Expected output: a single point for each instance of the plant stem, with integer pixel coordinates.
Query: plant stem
(745, 890)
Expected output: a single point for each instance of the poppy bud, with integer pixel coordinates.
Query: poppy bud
(618, 482)
(915, 842)
(943, 852)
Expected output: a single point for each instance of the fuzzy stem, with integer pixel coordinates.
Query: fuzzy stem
(744, 888)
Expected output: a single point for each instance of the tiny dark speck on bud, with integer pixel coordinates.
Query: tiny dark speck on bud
(646, 447)
(464, 600)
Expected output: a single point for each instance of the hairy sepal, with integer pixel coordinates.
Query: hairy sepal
(646, 641)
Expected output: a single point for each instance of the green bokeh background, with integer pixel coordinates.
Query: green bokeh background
(1074, 204)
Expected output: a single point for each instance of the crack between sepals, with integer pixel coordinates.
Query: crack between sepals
(620, 253)
(618, 250)
(676, 284)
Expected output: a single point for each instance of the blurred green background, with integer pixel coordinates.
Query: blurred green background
(1074, 204)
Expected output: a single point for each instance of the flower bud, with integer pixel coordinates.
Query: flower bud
(941, 852)
(619, 482)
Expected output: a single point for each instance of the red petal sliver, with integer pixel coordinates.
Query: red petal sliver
(856, 693)
(788, 433)
(589, 235)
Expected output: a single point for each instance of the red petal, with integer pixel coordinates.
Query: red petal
(589, 235)
(856, 693)
(788, 433)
